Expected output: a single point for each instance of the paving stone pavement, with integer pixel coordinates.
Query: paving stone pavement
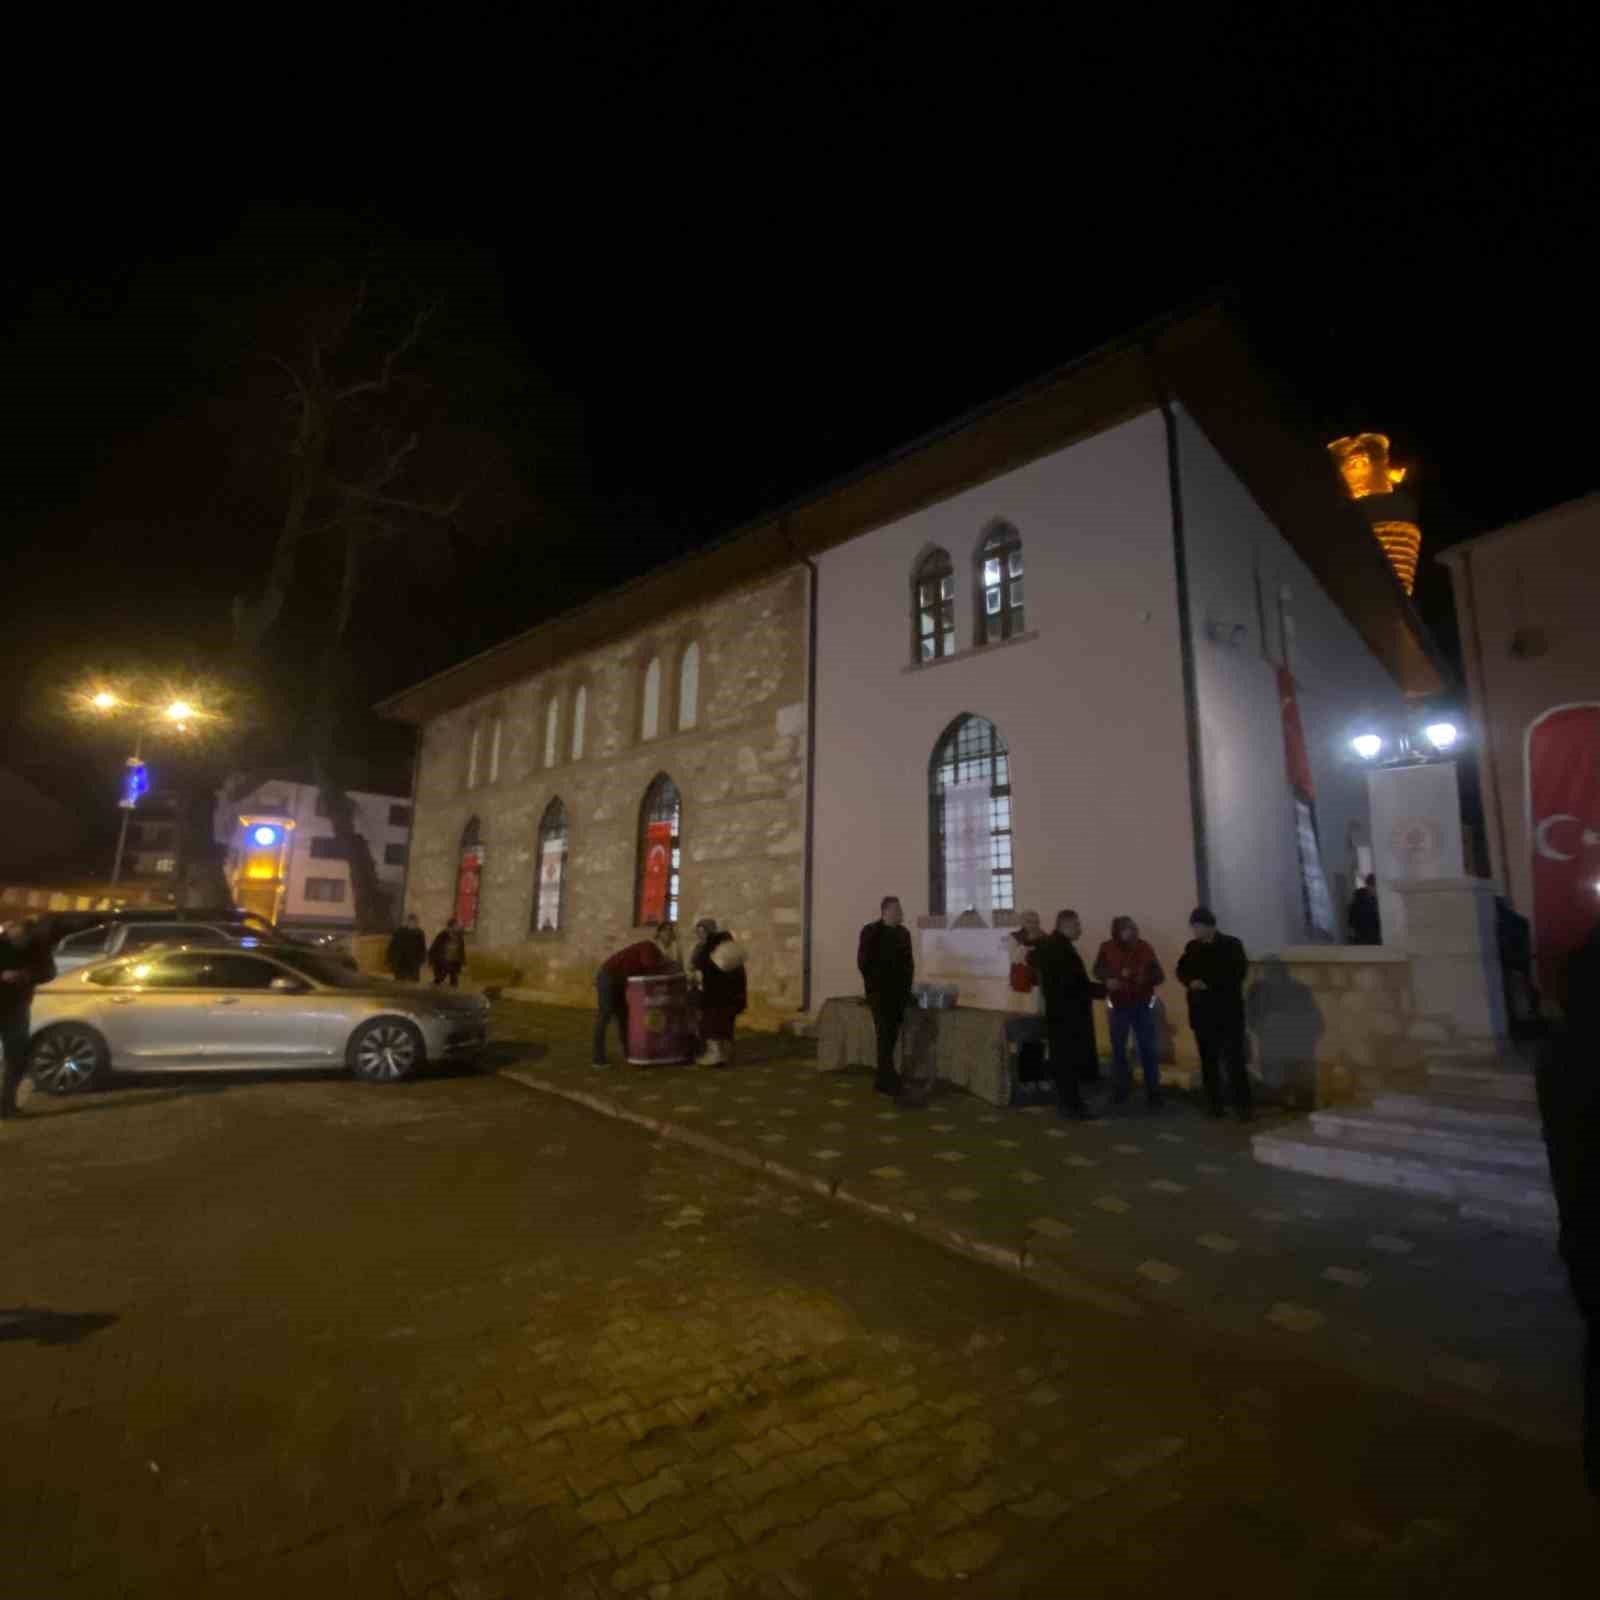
(300, 1336)
(1150, 1215)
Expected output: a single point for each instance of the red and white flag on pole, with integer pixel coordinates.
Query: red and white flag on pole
(1564, 833)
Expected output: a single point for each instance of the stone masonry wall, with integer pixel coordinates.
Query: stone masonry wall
(739, 772)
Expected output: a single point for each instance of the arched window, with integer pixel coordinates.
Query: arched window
(689, 686)
(552, 730)
(549, 894)
(969, 821)
(495, 729)
(933, 608)
(650, 707)
(999, 584)
(469, 876)
(474, 741)
(660, 818)
(580, 710)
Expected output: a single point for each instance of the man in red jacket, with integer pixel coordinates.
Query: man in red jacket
(1127, 966)
(654, 954)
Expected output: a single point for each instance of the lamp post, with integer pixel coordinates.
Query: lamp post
(175, 714)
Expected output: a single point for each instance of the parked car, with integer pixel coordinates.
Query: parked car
(228, 1007)
(120, 938)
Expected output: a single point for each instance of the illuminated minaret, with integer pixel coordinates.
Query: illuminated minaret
(1363, 462)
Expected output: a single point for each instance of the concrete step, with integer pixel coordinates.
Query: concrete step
(1513, 1197)
(1445, 1141)
(1484, 1083)
(1473, 1113)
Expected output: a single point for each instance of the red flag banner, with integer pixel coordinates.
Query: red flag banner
(467, 885)
(657, 872)
(1563, 764)
(1295, 756)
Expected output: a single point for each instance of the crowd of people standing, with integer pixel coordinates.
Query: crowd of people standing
(1126, 974)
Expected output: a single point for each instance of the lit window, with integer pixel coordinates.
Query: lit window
(552, 727)
(660, 853)
(552, 869)
(580, 709)
(166, 864)
(494, 749)
(472, 758)
(1000, 613)
(689, 687)
(934, 608)
(650, 714)
(969, 821)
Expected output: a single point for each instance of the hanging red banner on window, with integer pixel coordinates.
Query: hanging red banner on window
(467, 884)
(657, 872)
(1564, 819)
(1295, 756)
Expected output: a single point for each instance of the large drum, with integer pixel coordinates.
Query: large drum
(658, 1020)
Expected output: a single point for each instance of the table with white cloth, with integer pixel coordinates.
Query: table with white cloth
(969, 1046)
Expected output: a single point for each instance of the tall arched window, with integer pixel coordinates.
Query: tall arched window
(580, 712)
(469, 876)
(660, 820)
(933, 608)
(474, 743)
(650, 705)
(689, 686)
(549, 894)
(999, 585)
(969, 821)
(552, 730)
(495, 730)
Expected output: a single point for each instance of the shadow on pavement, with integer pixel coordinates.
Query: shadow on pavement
(50, 1327)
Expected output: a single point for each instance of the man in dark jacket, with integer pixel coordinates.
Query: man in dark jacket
(24, 964)
(1213, 968)
(408, 948)
(658, 953)
(448, 954)
(887, 968)
(1069, 997)
(1569, 1104)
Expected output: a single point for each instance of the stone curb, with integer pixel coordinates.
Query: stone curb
(1041, 1271)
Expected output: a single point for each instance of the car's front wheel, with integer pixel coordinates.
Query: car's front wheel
(68, 1058)
(386, 1050)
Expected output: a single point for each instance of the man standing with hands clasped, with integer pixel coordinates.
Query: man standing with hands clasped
(887, 967)
(1213, 968)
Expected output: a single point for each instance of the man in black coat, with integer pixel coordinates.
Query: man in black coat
(1569, 1105)
(1363, 918)
(24, 964)
(887, 968)
(408, 949)
(1069, 996)
(1213, 968)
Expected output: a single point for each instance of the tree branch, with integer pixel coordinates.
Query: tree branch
(386, 372)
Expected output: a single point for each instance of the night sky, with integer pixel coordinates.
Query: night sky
(690, 271)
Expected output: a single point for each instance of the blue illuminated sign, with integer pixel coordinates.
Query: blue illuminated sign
(265, 836)
(135, 782)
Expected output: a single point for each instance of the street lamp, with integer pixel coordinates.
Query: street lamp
(1367, 745)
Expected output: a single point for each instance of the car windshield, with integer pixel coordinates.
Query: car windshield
(309, 964)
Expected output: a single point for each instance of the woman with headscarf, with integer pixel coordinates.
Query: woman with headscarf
(719, 962)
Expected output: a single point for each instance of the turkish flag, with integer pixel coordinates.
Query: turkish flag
(1564, 814)
(657, 872)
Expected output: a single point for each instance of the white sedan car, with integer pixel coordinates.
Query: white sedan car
(180, 1007)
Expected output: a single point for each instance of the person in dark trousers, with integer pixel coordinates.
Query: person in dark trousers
(1128, 967)
(448, 954)
(408, 948)
(723, 991)
(888, 968)
(637, 960)
(24, 964)
(1362, 919)
(1213, 968)
(1069, 996)
(1569, 1106)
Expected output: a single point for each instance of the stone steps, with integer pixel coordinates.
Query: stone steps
(1514, 1197)
(1474, 1112)
(1504, 1083)
(1449, 1138)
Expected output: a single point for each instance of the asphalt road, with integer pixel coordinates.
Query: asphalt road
(305, 1337)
